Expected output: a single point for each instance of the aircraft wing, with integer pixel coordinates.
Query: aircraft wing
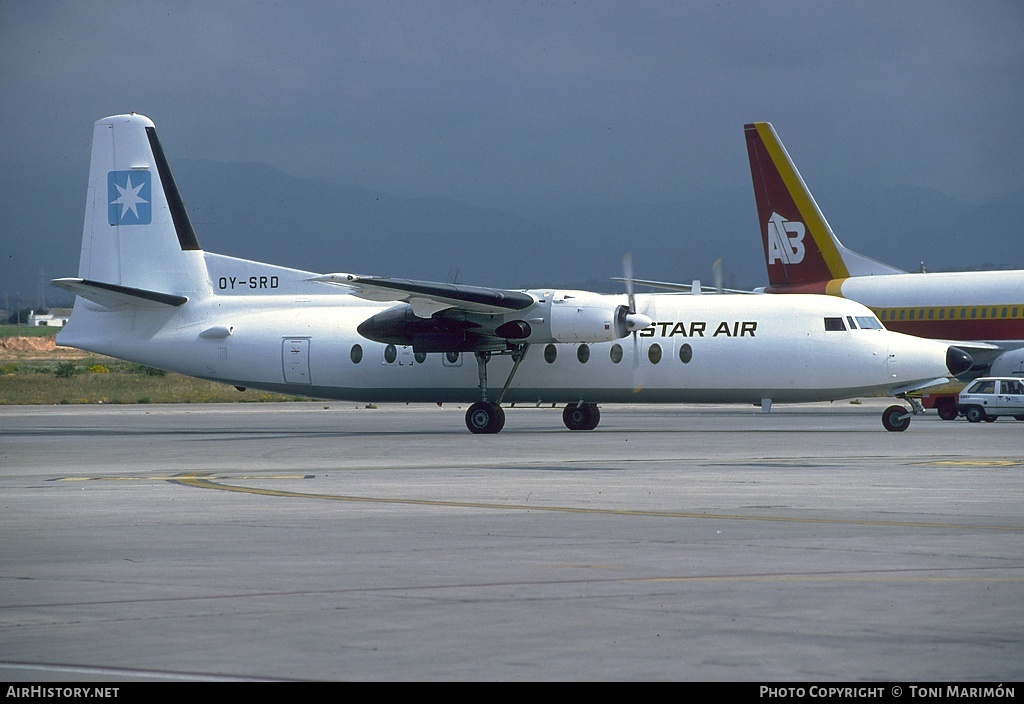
(970, 346)
(427, 297)
(681, 288)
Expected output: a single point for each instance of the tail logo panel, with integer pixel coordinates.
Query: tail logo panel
(129, 197)
(785, 240)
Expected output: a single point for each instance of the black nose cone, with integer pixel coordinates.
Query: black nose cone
(957, 361)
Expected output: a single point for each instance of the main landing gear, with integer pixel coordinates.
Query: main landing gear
(896, 419)
(581, 416)
(487, 417)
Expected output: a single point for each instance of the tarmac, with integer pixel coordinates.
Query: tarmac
(327, 541)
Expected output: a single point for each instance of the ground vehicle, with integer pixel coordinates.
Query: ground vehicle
(989, 397)
(944, 399)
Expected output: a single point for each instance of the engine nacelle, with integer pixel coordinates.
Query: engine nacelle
(581, 318)
(399, 325)
(1009, 363)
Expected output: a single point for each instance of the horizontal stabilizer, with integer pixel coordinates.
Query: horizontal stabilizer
(428, 297)
(115, 295)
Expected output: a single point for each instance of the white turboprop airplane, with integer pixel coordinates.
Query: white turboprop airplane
(981, 312)
(147, 293)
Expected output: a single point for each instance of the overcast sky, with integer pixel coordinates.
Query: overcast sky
(523, 106)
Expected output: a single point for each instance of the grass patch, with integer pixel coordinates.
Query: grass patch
(26, 331)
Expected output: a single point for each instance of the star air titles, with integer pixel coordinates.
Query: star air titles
(700, 328)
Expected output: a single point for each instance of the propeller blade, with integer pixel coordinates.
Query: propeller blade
(638, 382)
(627, 274)
(634, 321)
(716, 270)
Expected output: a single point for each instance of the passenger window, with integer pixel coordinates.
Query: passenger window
(550, 353)
(654, 353)
(356, 355)
(832, 324)
(583, 353)
(616, 353)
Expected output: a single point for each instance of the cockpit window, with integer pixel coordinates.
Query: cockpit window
(834, 324)
(869, 322)
(853, 325)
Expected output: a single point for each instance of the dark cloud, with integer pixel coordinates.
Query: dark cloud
(537, 109)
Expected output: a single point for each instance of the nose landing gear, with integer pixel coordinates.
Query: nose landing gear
(896, 419)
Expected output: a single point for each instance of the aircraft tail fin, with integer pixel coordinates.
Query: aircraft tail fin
(799, 246)
(137, 234)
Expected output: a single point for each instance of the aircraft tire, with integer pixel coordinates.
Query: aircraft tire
(947, 410)
(893, 420)
(485, 418)
(975, 414)
(581, 417)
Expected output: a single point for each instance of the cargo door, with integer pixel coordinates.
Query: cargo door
(295, 358)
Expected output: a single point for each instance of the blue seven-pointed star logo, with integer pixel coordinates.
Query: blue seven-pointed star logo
(129, 197)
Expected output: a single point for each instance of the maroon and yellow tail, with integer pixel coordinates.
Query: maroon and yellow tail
(801, 251)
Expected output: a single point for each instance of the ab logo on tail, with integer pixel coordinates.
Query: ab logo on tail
(129, 197)
(785, 240)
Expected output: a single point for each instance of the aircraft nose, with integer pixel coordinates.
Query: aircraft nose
(957, 361)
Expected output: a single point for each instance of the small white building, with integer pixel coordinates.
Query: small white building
(57, 317)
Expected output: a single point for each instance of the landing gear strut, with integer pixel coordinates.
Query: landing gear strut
(485, 417)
